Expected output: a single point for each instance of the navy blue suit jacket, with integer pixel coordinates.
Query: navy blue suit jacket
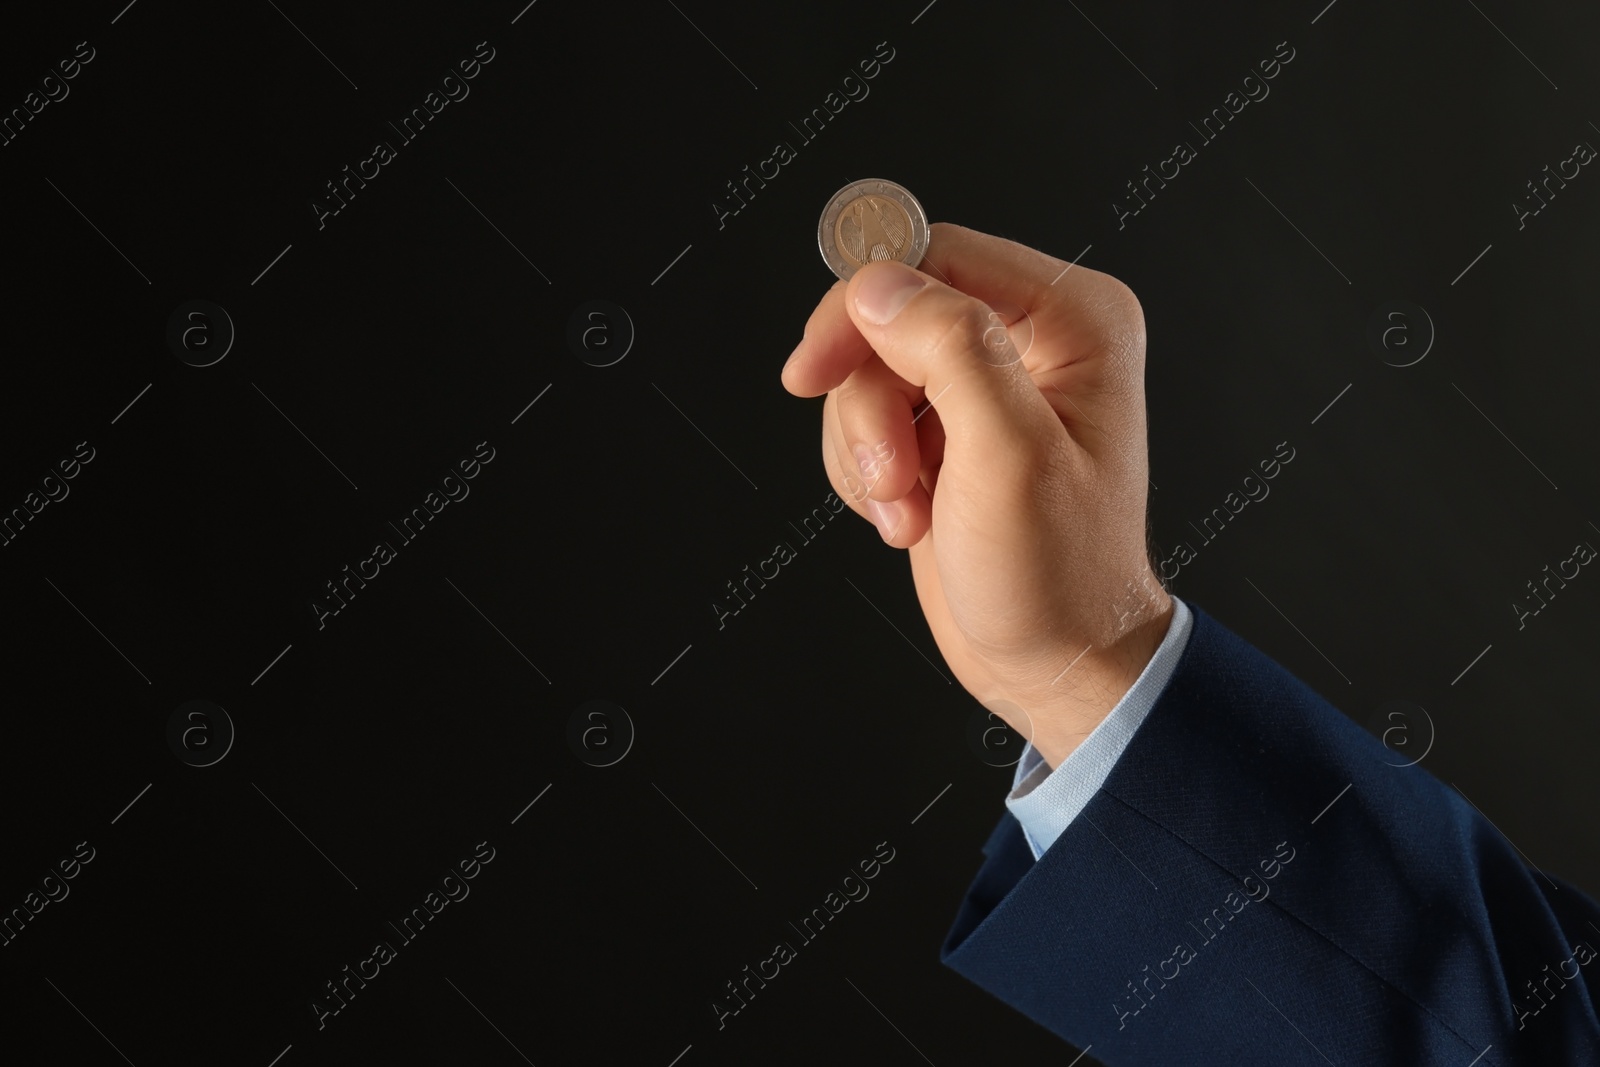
(1226, 899)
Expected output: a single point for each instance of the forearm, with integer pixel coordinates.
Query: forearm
(1252, 831)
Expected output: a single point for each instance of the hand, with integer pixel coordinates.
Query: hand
(1020, 491)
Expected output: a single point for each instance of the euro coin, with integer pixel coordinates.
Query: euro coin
(869, 220)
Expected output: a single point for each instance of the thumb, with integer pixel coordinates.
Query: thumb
(957, 349)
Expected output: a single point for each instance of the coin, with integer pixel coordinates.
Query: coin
(869, 220)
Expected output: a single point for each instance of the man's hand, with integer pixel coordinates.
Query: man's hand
(1020, 490)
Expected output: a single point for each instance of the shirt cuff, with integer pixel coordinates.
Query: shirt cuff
(1046, 801)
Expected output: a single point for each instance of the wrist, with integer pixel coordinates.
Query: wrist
(1066, 710)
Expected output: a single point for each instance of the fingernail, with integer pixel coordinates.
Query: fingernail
(866, 461)
(886, 516)
(793, 354)
(885, 291)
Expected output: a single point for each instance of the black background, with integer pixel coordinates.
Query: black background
(426, 316)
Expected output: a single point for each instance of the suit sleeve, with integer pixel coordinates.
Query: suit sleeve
(1257, 882)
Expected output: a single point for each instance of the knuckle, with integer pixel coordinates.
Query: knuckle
(1128, 304)
(1123, 320)
(1123, 297)
(959, 330)
(1115, 299)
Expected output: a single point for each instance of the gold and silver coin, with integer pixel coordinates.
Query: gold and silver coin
(869, 220)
